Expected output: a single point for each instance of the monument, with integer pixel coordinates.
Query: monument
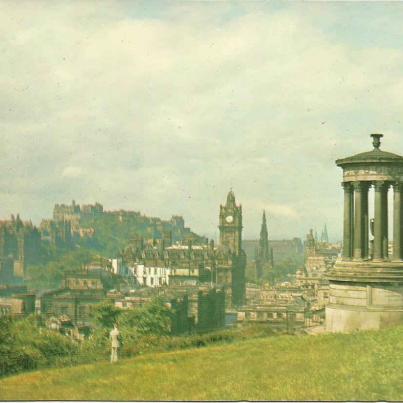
(366, 284)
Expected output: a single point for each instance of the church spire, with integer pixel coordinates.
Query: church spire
(263, 229)
(325, 236)
(264, 240)
(264, 253)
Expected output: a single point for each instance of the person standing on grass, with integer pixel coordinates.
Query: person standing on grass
(114, 335)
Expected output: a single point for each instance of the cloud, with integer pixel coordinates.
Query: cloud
(163, 107)
(72, 172)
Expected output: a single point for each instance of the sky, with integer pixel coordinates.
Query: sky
(163, 106)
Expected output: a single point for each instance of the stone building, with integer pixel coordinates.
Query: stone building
(151, 276)
(230, 250)
(281, 249)
(189, 264)
(280, 316)
(57, 233)
(75, 299)
(319, 256)
(211, 310)
(19, 247)
(17, 305)
(181, 321)
(366, 286)
(160, 264)
(85, 220)
(64, 212)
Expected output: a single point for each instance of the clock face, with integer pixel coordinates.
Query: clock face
(229, 219)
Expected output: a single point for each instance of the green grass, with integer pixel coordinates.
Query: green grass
(359, 366)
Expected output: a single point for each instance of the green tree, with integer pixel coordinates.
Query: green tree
(7, 353)
(153, 318)
(14, 356)
(51, 274)
(106, 314)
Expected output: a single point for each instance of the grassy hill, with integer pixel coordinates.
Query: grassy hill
(360, 366)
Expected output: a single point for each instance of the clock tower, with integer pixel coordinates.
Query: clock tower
(231, 225)
(232, 262)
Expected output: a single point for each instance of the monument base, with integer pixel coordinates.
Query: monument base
(364, 295)
(347, 319)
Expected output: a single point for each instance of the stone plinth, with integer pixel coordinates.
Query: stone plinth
(365, 295)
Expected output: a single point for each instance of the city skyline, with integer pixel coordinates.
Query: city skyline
(163, 109)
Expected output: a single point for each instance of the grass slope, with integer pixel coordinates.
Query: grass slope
(360, 366)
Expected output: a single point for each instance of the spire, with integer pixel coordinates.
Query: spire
(263, 229)
(231, 198)
(264, 250)
(325, 237)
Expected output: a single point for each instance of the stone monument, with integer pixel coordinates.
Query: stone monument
(366, 284)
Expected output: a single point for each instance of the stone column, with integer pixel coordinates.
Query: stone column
(378, 220)
(348, 221)
(360, 214)
(365, 239)
(385, 234)
(397, 221)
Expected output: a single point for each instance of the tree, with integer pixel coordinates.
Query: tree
(152, 319)
(106, 314)
(51, 274)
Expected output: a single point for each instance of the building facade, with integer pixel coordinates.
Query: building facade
(75, 299)
(19, 246)
(230, 249)
(161, 262)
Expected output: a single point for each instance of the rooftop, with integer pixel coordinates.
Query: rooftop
(376, 155)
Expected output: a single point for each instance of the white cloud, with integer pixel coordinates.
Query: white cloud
(166, 112)
(72, 172)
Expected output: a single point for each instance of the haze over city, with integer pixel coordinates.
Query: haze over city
(163, 107)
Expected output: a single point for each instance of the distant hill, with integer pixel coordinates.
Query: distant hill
(360, 366)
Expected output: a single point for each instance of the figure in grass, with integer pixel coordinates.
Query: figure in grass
(114, 336)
